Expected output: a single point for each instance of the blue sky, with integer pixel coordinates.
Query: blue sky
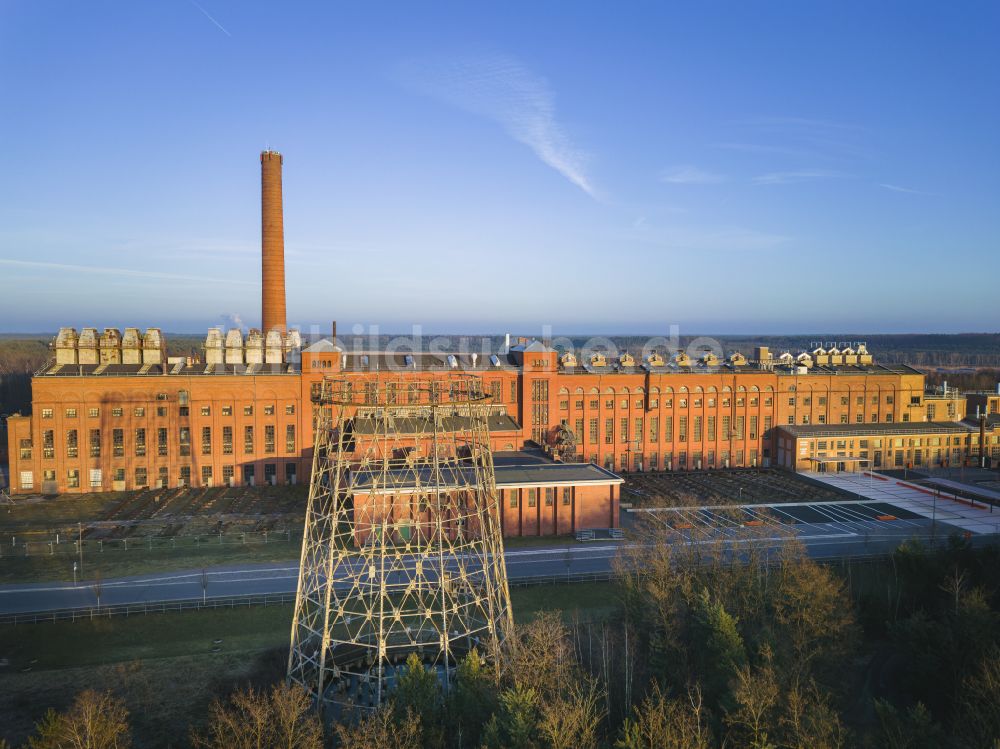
(616, 167)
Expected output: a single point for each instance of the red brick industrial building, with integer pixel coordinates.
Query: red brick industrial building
(112, 413)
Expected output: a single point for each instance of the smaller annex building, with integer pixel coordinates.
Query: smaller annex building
(537, 496)
(851, 447)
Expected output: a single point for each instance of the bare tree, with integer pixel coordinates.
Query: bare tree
(380, 730)
(572, 720)
(661, 723)
(96, 720)
(260, 720)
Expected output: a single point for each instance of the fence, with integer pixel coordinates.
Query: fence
(61, 545)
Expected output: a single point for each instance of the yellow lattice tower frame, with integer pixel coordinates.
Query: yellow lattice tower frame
(403, 549)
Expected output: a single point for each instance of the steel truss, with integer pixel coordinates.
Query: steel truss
(403, 550)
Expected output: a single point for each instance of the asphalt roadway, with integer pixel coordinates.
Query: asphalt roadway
(828, 530)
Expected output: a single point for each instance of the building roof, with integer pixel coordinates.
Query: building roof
(156, 370)
(876, 430)
(507, 477)
(420, 424)
(323, 346)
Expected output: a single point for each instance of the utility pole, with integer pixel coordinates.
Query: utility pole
(79, 543)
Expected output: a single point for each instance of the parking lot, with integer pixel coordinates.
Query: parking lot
(725, 487)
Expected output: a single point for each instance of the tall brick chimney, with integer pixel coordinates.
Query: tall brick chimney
(272, 234)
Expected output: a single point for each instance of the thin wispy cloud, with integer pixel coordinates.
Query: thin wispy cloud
(690, 175)
(802, 123)
(126, 272)
(907, 190)
(502, 89)
(706, 239)
(205, 13)
(791, 177)
(765, 149)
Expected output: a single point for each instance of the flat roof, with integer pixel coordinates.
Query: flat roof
(167, 370)
(419, 424)
(876, 430)
(507, 477)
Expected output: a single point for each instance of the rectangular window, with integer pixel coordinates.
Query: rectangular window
(654, 428)
(290, 409)
(578, 430)
(269, 410)
(48, 443)
(738, 427)
(27, 480)
(116, 413)
(139, 411)
(227, 474)
(513, 499)
(248, 410)
(95, 443)
(269, 438)
(753, 427)
(549, 496)
(248, 439)
(290, 438)
(184, 438)
(72, 444)
(70, 413)
(206, 440)
(567, 496)
(46, 413)
(532, 497)
(206, 475)
(140, 443)
(118, 443)
(668, 432)
(682, 429)
(161, 411)
(227, 440)
(513, 391)
(96, 478)
(638, 429)
(206, 410)
(227, 410)
(161, 441)
(141, 478)
(697, 429)
(609, 431)
(73, 478)
(185, 476)
(623, 430)
(711, 429)
(592, 428)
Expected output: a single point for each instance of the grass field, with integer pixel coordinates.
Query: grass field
(169, 667)
(139, 560)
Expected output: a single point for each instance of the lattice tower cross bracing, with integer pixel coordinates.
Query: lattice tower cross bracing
(403, 549)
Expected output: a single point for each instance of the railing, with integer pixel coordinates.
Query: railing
(67, 545)
(157, 607)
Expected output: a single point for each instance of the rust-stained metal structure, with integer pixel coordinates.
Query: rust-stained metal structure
(403, 550)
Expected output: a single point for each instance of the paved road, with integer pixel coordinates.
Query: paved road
(847, 532)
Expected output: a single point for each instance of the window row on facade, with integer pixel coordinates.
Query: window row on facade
(160, 442)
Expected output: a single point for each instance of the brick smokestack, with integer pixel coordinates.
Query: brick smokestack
(272, 234)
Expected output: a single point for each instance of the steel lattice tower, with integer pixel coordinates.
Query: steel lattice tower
(403, 549)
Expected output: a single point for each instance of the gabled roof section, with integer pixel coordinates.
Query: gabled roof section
(323, 346)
